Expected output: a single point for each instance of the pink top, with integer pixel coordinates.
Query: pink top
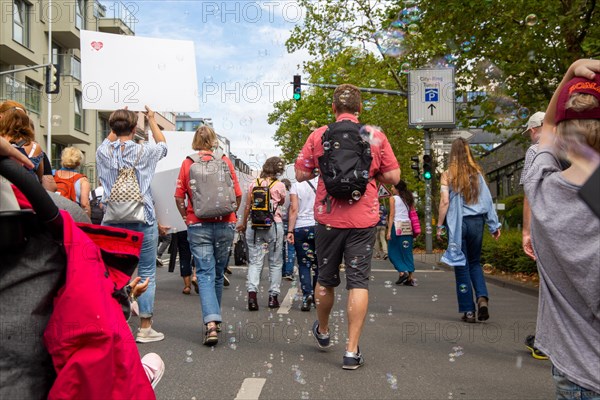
(278, 192)
(363, 213)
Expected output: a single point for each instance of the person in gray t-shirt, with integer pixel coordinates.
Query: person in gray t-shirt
(566, 234)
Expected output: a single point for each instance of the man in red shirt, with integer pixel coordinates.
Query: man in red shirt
(346, 228)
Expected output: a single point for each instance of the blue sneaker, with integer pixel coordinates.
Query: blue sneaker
(323, 340)
(353, 360)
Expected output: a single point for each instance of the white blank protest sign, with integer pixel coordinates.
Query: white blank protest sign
(120, 71)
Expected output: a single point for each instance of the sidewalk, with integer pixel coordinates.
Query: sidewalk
(433, 260)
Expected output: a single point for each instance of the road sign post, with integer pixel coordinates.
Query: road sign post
(431, 105)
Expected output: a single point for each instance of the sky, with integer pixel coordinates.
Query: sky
(242, 64)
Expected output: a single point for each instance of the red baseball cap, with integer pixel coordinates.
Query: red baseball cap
(578, 85)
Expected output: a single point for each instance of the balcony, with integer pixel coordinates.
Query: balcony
(67, 20)
(12, 52)
(117, 19)
(24, 93)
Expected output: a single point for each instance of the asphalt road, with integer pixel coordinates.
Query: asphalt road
(414, 344)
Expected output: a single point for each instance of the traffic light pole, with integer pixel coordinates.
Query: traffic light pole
(428, 228)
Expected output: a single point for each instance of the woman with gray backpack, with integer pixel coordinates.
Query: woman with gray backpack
(125, 170)
(208, 179)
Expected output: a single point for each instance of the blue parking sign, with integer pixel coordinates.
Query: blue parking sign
(432, 94)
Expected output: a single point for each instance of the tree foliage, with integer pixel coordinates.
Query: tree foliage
(511, 52)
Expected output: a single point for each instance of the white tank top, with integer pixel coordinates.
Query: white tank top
(401, 212)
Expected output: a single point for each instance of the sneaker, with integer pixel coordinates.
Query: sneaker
(385, 256)
(306, 303)
(482, 309)
(288, 277)
(226, 281)
(159, 262)
(147, 335)
(410, 282)
(154, 368)
(323, 340)
(252, 303)
(228, 271)
(353, 360)
(535, 352)
(402, 278)
(273, 301)
(469, 317)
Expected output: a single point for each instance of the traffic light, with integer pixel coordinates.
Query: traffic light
(415, 166)
(427, 174)
(297, 89)
(52, 79)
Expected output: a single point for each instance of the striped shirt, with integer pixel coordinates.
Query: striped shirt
(109, 160)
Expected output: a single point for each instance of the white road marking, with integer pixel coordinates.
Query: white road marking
(286, 304)
(379, 270)
(251, 388)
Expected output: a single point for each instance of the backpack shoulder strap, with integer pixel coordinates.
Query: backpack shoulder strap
(194, 157)
(273, 183)
(311, 185)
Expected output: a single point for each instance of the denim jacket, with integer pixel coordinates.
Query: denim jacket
(457, 209)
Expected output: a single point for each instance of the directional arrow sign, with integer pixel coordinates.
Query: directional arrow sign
(431, 98)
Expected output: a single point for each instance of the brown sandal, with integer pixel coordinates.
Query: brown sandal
(211, 336)
(187, 290)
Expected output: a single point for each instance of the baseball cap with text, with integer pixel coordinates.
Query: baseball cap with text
(578, 85)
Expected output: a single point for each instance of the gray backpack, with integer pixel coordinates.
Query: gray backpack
(212, 186)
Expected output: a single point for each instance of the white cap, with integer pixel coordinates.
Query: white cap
(534, 121)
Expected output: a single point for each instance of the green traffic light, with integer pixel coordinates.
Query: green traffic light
(427, 175)
(296, 96)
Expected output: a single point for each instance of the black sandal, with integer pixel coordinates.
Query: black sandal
(209, 339)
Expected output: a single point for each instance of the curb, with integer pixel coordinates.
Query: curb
(498, 281)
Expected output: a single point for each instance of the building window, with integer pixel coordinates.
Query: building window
(33, 94)
(80, 14)
(79, 120)
(57, 149)
(76, 68)
(21, 22)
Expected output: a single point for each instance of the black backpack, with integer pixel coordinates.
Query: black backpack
(261, 210)
(97, 212)
(346, 161)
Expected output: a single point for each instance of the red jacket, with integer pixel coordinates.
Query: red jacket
(92, 347)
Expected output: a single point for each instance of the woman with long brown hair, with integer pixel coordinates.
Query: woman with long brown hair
(15, 127)
(466, 206)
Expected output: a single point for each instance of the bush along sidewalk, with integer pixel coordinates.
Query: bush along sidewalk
(507, 254)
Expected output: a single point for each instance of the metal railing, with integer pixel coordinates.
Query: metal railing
(24, 93)
(118, 10)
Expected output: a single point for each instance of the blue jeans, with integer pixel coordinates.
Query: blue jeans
(260, 243)
(304, 242)
(567, 390)
(470, 276)
(147, 264)
(289, 254)
(210, 243)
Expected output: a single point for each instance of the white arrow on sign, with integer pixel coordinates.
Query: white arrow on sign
(383, 192)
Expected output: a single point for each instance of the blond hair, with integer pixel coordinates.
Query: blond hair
(71, 157)
(463, 171)
(205, 138)
(573, 132)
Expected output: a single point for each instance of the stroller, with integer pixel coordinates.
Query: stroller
(64, 334)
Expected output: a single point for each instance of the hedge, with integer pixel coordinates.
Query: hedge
(506, 254)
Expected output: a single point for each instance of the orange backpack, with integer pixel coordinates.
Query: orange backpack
(66, 186)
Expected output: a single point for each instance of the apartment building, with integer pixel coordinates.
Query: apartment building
(24, 36)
